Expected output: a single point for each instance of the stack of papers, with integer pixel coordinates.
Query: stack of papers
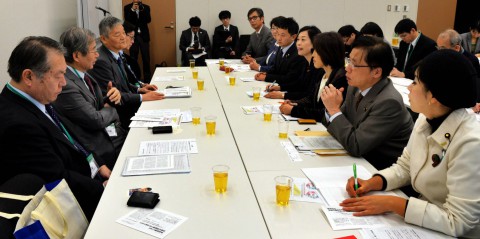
(177, 92)
(159, 164)
(320, 142)
(179, 146)
(153, 118)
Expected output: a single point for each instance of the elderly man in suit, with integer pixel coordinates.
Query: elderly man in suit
(413, 48)
(193, 42)
(225, 38)
(32, 137)
(260, 41)
(81, 104)
(109, 67)
(373, 121)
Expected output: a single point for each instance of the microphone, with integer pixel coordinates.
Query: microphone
(103, 10)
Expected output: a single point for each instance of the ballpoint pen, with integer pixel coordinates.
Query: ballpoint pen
(273, 83)
(355, 175)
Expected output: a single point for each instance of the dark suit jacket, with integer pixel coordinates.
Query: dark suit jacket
(310, 107)
(31, 143)
(186, 40)
(140, 22)
(424, 47)
(259, 43)
(379, 129)
(476, 64)
(219, 37)
(133, 71)
(106, 69)
(86, 116)
(307, 81)
(467, 41)
(286, 69)
(272, 52)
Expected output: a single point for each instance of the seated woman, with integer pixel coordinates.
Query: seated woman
(329, 56)
(441, 157)
(309, 75)
(266, 63)
(471, 39)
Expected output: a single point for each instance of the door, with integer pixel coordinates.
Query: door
(162, 32)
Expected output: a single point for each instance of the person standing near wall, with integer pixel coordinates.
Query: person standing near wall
(138, 14)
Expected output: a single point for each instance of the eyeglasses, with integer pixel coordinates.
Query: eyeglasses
(254, 18)
(348, 62)
(131, 37)
(345, 39)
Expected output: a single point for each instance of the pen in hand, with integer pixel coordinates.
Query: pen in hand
(355, 176)
(269, 87)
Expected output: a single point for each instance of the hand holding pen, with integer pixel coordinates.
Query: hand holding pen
(269, 87)
(363, 186)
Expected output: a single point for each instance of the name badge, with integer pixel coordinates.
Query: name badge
(93, 165)
(112, 132)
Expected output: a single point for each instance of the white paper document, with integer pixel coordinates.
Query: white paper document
(156, 222)
(400, 232)
(304, 191)
(180, 146)
(151, 124)
(343, 220)
(262, 93)
(291, 151)
(240, 67)
(158, 113)
(315, 142)
(176, 71)
(186, 116)
(177, 92)
(157, 164)
(258, 109)
(168, 78)
(247, 79)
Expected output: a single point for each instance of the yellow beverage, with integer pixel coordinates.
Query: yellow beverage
(221, 62)
(211, 128)
(283, 135)
(394, 41)
(267, 116)
(220, 179)
(256, 96)
(283, 194)
(192, 64)
(196, 120)
(227, 70)
(200, 84)
(195, 74)
(232, 80)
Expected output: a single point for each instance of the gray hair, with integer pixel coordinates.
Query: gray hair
(452, 36)
(107, 24)
(76, 39)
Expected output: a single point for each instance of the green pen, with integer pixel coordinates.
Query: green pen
(355, 175)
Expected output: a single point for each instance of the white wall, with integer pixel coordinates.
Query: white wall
(328, 15)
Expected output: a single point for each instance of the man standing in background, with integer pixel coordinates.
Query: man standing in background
(138, 14)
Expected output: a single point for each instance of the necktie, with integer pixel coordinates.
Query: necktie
(195, 37)
(358, 99)
(409, 54)
(127, 67)
(226, 29)
(90, 85)
(59, 125)
(121, 68)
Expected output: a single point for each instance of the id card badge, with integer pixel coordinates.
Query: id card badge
(93, 165)
(112, 132)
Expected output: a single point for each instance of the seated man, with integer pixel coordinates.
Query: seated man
(373, 121)
(81, 104)
(414, 47)
(349, 34)
(288, 64)
(225, 38)
(32, 138)
(194, 43)
(260, 41)
(267, 62)
(109, 67)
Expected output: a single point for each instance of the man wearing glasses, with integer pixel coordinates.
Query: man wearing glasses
(373, 121)
(260, 41)
(414, 47)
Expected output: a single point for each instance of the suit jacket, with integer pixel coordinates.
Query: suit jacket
(272, 52)
(379, 129)
(186, 40)
(31, 143)
(219, 37)
(476, 64)
(140, 22)
(85, 115)
(466, 41)
(310, 107)
(133, 70)
(424, 47)
(286, 69)
(450, 192)
(106, 69)
(259, 43)
(307, 80)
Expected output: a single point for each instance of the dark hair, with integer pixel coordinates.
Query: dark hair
(255, 9)
(224, 14)
(195, 22)
(31, 53)
(76, 39)
(106, 25)
(330, 48)
(475, 26)
(128, 27)
(276, 21)
(372, 28)
(289, 24)
(405, 26)
(312, 31)
(347, 30)
(377, 53)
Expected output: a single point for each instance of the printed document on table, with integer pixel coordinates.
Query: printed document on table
(150, 124)
(247, 79)
(176, 71)
(156, 222)
(177, 92)
(304, 191)
(315, 142)
(157, 164)
(343, 220)
(258, 109)
(158, 113)
(401, 232)
(168, 78)
(180, 146)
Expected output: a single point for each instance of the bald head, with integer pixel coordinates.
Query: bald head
(449, 39)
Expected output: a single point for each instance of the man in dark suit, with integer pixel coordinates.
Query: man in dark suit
(413, 48)
(81, 104)
(138, 14)
(110, 67)
(288, 64)
(260, 41)
(373, 121)
(32, 138)
(225, 38)
(194, 41)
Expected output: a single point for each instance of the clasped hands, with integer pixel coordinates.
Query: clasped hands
(332, 98)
